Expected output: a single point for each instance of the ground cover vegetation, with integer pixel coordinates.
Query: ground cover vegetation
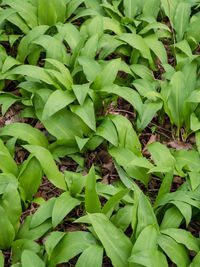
(100, 133)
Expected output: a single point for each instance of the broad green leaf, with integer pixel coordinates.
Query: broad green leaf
(127, 93)
(195, 261)
(176, 252)
(92, 202)
(72, 6)
(11, 203)
(18, 246)
(24, 45)
(70, 34)
(135, 166)
(26, 232)
(126, 134)
(145, 215)
(7, 163)
(1, 259)
(117, 245)
(157, 47)
(194, 179)
(81, 91)
(165, 186)
(6, 101)
(151, 8)
(111, 203)
(87, 258)
(137, 42)
(176, 99)
(147, 240)
(91, 67)
(43, 213)
(72, 244)
(108, 131)
(172, 218)
(181, 19)
(57, 101)
(33, 72)
(27, 11)
(7, 232)
(183, 237)
(52, 241)
(86, 113)
(108, 74)
(30, 178)
(63, 205)
(130, 8)
(91, 46)
(48, 165)
(122, 219)
(46, 12)
(142, 71)
(26, 133)
(30, 258)
(75, 182)
(149, 110)
(149, 258)
(161, 156)
(54, 48)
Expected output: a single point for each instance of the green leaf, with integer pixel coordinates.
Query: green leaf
(81, 91)
(46, 12)
(117, 245)
(72, 6)
(111, 203)
(26, 232)
(172, 218)
(57, 101)
(130, 8)
(1, 259)
(24, 45)
(30, 258)
(48, 165)
(7, 163)
(7, 232)
(72, 244)
(181, 19)
(11, 203)
(176, 99)
(25, 10)
(86, 113)
(63, 205)
(6, 101)
(149, 258)
(20, 245)
(108, 74)
(157, 47)
(195, 261)
(165, 186)
(108, 131)
(30, 178)
(43, 213)
(87, 258)
(183, 237)
(137, 42)
(126, 134)
(52, 241)
(92, 202)
(148, 112)
(161, 156)
(127, 93)
(26, 133)
(176, 252)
